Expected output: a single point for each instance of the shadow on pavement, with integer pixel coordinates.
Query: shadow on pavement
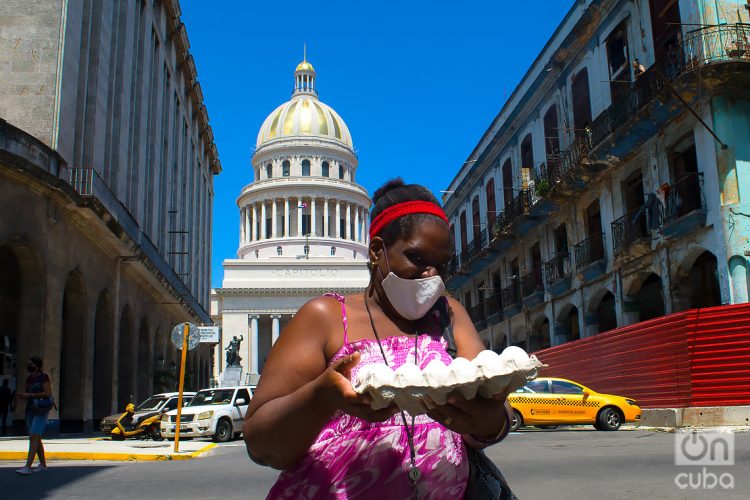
(41, 484)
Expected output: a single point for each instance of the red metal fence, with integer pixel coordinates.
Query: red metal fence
(699, 357)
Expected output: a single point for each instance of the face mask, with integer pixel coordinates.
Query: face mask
(31, 368)
(411, 299)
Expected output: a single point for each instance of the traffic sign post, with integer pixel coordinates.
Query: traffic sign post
(185, 337)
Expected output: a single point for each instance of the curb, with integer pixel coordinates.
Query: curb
(110, 457)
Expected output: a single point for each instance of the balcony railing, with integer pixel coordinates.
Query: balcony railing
(82, 180)
(557, 268)
(476, 313)
(493, 304)
(628, 229)
(532, 282)
(684, 196)
(712, 44)
(560, 165)
(476, 245)
(589, 250)
(454, 265)
(511, 294)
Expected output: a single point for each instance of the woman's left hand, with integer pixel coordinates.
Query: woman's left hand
(479, 416)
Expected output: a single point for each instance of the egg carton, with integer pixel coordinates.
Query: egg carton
(411, 389)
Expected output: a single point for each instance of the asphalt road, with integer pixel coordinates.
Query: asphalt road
(554, 464)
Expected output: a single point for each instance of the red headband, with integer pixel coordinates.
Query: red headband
(406, 208)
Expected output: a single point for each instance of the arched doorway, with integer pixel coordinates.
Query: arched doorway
(104, 331)
(605, 312)
(11, 286)
(740, 279)
(72, 354)
(125, 361)
(540, 336)
(143, 375)
(650, 298)
(571, 322)
(703, 280)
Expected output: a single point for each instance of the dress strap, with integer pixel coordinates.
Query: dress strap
(341, 299)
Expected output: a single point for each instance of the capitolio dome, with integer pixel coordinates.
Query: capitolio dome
(304, 115)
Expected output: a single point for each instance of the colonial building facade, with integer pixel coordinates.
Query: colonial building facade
(303, 224)
(106, 165)
(613, 186)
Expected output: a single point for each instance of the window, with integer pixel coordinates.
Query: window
(665, 27)
(619, 61)
(594, 228)
(243, 394)
(538, 386)
(269, 171)
(475, 218)
(306, 168)
(581, 103)
(560, 387)
(632, 191)
(507, 183)
(285, 168)
(452, 230)
(341, 172)
(464, 240)
(551, 132)
(325, 169)
(490, 195)
(527, 153)
(306, 224)
(279, 250)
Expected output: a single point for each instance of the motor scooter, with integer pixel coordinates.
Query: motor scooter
(147, 426)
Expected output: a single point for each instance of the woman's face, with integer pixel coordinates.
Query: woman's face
(425, 253)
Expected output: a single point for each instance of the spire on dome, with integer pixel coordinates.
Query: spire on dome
(304, 76)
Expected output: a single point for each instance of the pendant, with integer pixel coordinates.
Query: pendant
(414, 474)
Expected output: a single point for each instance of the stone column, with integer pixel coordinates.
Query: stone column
(299, 216)
(326, 229)
(248, 226)
(286, 217)
(348, 231)
(263, 232)
(312, 216)
(366, 228)
(253, 344)
(356, 224)
(338, 219)
(242, 226)
(274, 329)
(255, 222)
(274, 216)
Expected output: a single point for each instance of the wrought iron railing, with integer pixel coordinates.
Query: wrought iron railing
(712, 44)
(454, 265)
(589, 250)
(684, 196)
(560, 165)
(476, 313)
(557, 268)
(532, 282)
(511, 294)
(82, 180)
(628, 229)
(493, 304)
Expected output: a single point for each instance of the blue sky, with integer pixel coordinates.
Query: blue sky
(417, 82)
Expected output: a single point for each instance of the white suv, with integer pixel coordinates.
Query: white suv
(217, 413)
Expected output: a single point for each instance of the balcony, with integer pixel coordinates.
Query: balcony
(477, 315)
(630, 234)
(558, 274)
(685, 206)
(591, 260)
(511, 297)
(532, 288)
(493, 307)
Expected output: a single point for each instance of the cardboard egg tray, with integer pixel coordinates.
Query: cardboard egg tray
(409, 387)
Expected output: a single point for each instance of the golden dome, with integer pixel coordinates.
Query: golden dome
(304, 116)
(305, 66)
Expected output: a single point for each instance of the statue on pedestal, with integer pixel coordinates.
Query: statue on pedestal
(233, 351)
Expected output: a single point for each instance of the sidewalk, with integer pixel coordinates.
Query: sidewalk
(16, 448)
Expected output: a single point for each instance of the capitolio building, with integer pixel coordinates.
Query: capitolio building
(303, 226)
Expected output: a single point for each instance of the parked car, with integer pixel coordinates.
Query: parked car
(217, 413)
(158, 402)
(548, 401)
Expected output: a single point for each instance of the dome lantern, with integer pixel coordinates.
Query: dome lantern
(304, 77)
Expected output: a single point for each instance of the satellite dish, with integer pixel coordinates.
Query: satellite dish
(194, 336)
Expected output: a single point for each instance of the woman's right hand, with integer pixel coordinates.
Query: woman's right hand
(336, 390)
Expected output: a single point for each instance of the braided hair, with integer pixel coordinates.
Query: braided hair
(396, 191)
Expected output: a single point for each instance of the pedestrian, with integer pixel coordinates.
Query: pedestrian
(638, 69)
(6, 405)
(306, 419)
(38, 397)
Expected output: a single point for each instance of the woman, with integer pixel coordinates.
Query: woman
(305, 417)
(37, 387)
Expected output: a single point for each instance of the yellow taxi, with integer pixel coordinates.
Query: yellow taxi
(548, 401)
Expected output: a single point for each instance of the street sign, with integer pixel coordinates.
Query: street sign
(193, 336)
(208, 334)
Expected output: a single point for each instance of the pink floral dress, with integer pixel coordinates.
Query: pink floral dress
(353, 458)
